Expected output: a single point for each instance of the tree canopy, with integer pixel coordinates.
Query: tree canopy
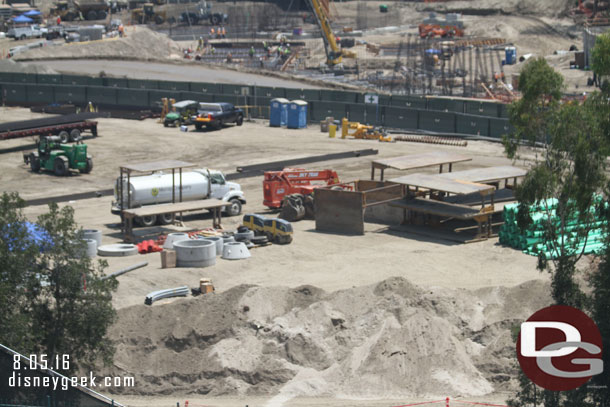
(53, 297)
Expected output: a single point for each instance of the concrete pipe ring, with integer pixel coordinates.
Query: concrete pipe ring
(91, 247)
(195, 253)
(218, 241)
(173, 238)
(94, 234)
(241, 236)
(228, 239)
(117, 250)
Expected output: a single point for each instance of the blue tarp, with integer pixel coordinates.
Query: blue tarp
(38, 236)
(22, 19)
(31, 13)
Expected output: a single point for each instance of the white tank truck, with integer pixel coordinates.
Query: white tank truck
(157, 189)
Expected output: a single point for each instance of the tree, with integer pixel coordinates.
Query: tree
(532, 114)
(61, 303)
(566, 183)
(600, 58)
(16, 254)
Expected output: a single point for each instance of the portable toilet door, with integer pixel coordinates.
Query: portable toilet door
(278, 112)
(297, 114)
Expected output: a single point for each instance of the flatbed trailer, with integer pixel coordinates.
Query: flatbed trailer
(68, 127)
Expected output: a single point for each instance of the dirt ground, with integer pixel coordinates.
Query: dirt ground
(387, 318)
(123, 141)
(337, 269)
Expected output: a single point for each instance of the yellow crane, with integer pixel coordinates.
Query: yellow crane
(334, 54)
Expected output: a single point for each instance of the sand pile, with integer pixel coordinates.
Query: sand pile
(8, 65)
(538, 8)
(141, 44)
(386, 340)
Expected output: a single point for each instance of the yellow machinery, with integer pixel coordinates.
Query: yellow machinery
(147, 14)
(334, 54)
(362, 131)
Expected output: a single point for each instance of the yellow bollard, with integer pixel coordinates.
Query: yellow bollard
(332, 130)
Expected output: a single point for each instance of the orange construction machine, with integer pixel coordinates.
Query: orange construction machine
(437, 30)
(279, 184)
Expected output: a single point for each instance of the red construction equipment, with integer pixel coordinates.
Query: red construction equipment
(437, 30)
(278, 184)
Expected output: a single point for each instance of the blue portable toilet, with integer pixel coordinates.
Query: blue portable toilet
(297, 114)
(278, 114)
(511, 55)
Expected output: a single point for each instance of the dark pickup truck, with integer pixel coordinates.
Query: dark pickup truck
(216, 115)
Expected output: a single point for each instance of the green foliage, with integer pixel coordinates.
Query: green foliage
(600, 309)
(532, 115)
(59, 304)
(16, 254)
(600, 55)
(575, 141)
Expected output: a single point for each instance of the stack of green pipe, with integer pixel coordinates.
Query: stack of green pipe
(541, 213)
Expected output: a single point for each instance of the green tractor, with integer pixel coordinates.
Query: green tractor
(59, 158)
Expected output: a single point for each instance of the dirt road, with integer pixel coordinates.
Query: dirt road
(167, 72)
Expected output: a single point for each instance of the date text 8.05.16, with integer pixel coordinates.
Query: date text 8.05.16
(59, 362)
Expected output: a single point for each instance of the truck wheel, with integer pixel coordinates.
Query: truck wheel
(75, 135)
(147, 220)
(165, 124)
(198, 126)
(34, 163)
(159, 20)
(176, 123)
(218, 125)
(59, 167)
(214, 20)
(64, 137)
(240, 120)
(89, 166)
(102, 15)
(22, 37)
(91, 15)
(166, 219)
(234, 207)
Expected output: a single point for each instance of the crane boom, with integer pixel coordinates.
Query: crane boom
(333, 52)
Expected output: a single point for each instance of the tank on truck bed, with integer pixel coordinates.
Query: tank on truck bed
(168, 182)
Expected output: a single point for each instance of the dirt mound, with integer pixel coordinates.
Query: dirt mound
(549, 8)
(8, 65)
(140, 43)
(387, 340)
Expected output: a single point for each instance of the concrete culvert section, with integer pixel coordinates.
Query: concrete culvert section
(117, 250)
(218, 241)
(94, 234)
(173, 238)
(195, 253)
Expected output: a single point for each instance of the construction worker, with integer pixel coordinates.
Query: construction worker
(213, 50)
(224, 32)
(265, 46)
(121, 30)
(200, 44)
(229, 58)
(212, 32)
(251, 52)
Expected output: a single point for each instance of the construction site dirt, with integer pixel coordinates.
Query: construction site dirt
(398, 315)
(426, 279)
